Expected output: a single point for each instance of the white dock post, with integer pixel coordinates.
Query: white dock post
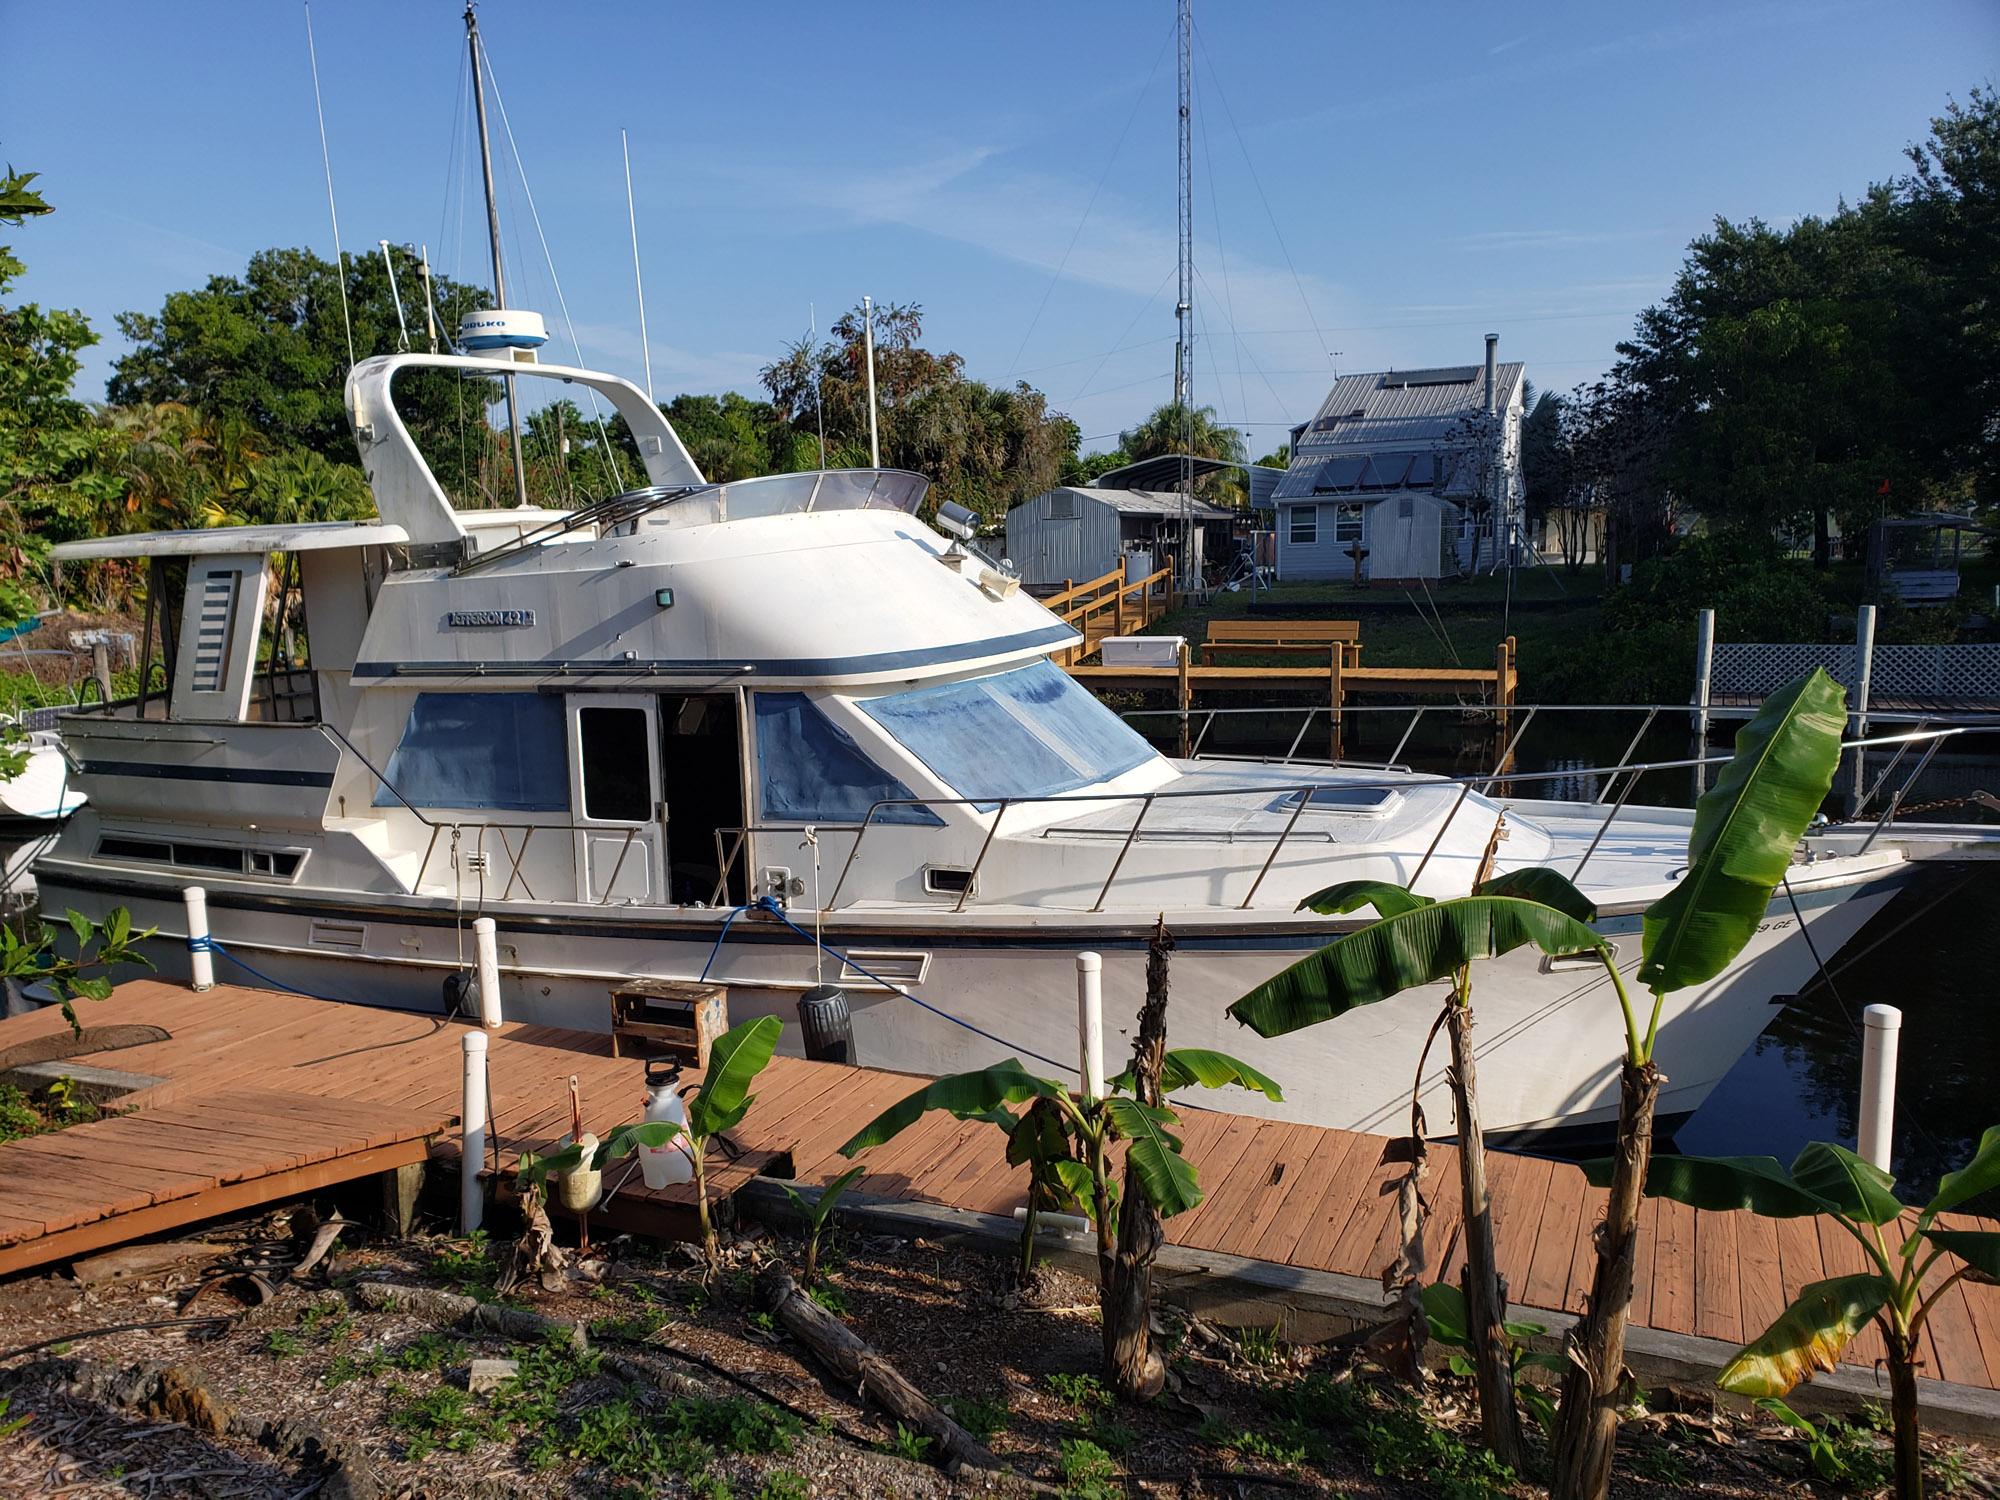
(1864, 667)
(1090, 1023)
(1879, 1034)
(486, 941)
(472, 1134)
(201, 963)
(1704, 678)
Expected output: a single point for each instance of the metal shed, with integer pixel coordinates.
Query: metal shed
(1078, 532)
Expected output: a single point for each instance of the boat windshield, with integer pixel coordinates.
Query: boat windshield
(785, 494)
(1032, 732)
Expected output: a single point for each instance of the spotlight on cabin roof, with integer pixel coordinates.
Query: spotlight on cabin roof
(495, 328)
(957, 520)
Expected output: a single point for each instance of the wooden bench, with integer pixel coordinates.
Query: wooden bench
(1287, 637)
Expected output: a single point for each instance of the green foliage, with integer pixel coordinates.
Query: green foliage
(637, 1326)
(783, 1484)
(280, 1343)
(1085, 1391)
(1745, 828)
(1445, 1312)
(428, 1351)
(1251, 1443)
(1417, 941)
(980, 1417)
(467, 1265)
(9, 1425)
(96, 946)
(344, 1366)
(1841, 1452)
(50, 1108)
(817, 1213)
(445, 1417)
(1088, 1472)
(1389, 1432)
(907, 1445)
(829, 1297)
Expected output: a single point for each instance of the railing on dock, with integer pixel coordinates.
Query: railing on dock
(1114, 604)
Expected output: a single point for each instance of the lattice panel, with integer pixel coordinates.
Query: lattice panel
(1963, 674)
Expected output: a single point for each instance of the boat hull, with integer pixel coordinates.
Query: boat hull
(972, 988)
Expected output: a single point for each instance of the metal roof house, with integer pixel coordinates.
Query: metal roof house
(1421, 469)
(1078, 532)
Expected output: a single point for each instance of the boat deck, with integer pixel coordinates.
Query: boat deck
(264, 1095)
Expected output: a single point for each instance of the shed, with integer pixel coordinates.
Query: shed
(1078, 532)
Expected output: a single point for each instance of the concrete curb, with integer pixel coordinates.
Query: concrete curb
(1309, 1306)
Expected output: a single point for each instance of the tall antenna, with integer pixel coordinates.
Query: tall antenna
(632, 217)
(819, 403)
(493, 232)
(326, 159)
(1184, 307)
(402, 325)
(868, 345)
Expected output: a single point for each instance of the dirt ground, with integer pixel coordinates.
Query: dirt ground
(352, 1382)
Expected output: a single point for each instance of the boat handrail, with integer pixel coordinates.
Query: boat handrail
(1633, 770)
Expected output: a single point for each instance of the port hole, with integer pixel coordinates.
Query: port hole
(945, 880)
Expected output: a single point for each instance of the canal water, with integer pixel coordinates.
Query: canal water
(1924, 953)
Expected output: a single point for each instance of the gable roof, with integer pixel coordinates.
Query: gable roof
(1151, 502)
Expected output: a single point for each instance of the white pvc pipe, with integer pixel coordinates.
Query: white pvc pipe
(201, 963)
(1090, 1023)
(1881, 1025)
(486, 941)
(472, 1134)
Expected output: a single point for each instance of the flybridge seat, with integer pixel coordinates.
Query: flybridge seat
(1291, 637)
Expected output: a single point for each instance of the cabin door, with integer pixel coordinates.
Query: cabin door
(614, 761)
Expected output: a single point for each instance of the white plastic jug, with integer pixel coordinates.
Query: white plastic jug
(662, 1166)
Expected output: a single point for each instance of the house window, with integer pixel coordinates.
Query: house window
(1062, 505)
(1305, 526)
(1347, 523)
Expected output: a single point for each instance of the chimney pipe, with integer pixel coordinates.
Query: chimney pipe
(1492, 343)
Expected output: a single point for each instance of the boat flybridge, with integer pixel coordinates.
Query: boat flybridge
(677, 732)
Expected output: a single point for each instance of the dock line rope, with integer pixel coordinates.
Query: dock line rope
(769, 905)
(210, 945)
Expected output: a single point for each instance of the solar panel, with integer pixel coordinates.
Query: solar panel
(1385, 471)
(1423, 471)
(1449, 375)
(1340, 472)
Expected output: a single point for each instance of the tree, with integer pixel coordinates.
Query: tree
(1175, 429)
(56, 470)
(270, 347)
(982, 446)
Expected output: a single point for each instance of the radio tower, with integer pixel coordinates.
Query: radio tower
(1184, 307)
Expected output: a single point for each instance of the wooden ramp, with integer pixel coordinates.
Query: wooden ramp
(1294, 1195)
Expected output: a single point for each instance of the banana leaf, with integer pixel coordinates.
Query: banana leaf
(1859, 1189)
(626, 1139)
(1444, 1310)
(966, 1095)
(734, 1062)
(1721, 1183)
(1980, 1175)
(1539, 883)
(1745, 828)
(1808, 1336)
(1187, 1066)
(1154, 1154)
(1389, 900)
(1979, 1249)
(1417, 946)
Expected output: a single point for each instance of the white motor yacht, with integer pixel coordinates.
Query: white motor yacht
(679, 733)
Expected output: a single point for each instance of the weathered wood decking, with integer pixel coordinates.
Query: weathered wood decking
(254, 1066)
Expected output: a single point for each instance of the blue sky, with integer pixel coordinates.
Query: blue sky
(1376, 186)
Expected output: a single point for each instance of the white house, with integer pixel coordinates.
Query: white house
(1420, 468)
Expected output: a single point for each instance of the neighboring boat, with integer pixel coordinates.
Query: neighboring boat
(612, 730)
(44, 792)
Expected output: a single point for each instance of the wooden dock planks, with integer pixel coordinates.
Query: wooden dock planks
(266, 1096)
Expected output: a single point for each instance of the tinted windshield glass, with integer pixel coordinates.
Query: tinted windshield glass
(1026, 733)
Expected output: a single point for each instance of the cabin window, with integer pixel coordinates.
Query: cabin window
(1305, 526)
(1028, 733)
(617, 772)
(497, 752)
(811, 770)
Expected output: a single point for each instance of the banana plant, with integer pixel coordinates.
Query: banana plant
(724, 1098)
(1745, 829)
(1417, 941)
(1066, 1139)
(34, 959)
(817, 1213)
(1904, 1246)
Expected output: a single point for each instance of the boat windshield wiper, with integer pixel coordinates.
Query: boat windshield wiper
(614, 511)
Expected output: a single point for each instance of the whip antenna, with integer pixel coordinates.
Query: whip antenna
(632, 217)
(326, 160)
(396, 292)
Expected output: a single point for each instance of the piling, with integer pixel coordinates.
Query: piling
(201, 962)
(1880, 1032)
(472, 1134)
(1090, 1023)
(486, 941)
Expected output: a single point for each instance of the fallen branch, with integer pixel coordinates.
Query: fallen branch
(837, 1347)
(449, 1307)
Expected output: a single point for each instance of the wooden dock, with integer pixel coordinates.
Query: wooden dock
(1115, 604)
(247, 1066)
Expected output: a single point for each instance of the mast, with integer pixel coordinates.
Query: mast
(493, 234)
